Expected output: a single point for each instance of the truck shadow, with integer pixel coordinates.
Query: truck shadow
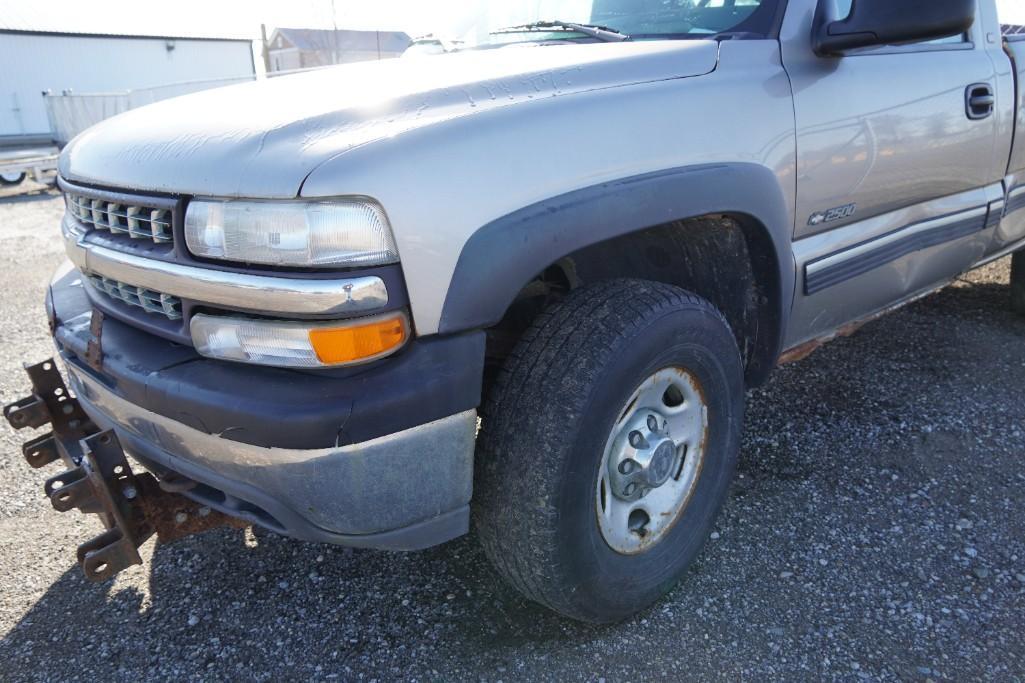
(838, 448)
(243, 593)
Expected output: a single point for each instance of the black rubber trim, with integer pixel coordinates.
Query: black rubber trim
(429, 379)
(859, 265)
(504, 255)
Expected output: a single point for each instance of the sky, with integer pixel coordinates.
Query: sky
(416, 17)
(1011, 11)
(413, 16)
(453, 18)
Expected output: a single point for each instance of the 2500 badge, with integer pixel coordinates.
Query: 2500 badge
(839, 213)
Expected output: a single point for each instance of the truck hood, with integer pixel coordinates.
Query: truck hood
(263, 139)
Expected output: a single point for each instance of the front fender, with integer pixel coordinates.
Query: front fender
(441, 183)
(503, 256)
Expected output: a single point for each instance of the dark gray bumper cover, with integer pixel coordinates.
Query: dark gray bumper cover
(404, 491)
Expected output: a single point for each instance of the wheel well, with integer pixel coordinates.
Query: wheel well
(729, 260)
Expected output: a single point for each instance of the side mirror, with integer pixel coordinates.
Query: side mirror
(890, 22)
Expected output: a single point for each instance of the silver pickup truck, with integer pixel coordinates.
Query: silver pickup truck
(523, 286)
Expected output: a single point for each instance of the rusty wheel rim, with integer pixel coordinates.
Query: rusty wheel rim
(652, 461)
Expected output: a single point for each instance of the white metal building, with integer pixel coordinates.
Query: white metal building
(303, 48)
(86, 52)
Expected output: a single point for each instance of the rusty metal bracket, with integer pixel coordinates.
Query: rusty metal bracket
(94, 350)
(104, 484)
(41, 451)
(49, 403)
(133, 507)
(28, 412)
(173, 516)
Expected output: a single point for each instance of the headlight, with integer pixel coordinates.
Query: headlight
(343, 233)
(299, 345)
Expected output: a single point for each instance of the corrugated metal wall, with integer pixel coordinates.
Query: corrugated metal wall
(31, 63)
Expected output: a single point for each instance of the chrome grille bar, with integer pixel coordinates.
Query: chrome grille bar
(244, 291)
(138, 222)
(152, 302)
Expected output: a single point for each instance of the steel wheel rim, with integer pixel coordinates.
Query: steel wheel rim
(632, 520)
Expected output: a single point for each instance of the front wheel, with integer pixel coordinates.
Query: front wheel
(608, 445)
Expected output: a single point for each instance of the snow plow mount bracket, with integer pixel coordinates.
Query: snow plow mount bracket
(100, 480)
(50, 403)
(104, 484)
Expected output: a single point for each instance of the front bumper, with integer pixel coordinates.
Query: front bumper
(323, 457)
(404, 491)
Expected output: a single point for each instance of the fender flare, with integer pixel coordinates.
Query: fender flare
(503, 256)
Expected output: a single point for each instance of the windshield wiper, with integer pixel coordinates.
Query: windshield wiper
(603, 33)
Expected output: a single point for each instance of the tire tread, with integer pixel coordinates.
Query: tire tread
(596, 319)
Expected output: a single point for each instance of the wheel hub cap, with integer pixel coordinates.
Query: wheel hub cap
(643, 457)
(652, 461)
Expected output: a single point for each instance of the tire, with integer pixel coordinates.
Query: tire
(547, 423)
(1018, 282)
(11, 180)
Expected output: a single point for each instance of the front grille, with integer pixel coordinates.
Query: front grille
(138, 222)
(150, 301)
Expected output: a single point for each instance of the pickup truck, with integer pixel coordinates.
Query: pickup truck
(522, 287)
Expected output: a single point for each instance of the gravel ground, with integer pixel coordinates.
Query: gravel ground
(875, 533)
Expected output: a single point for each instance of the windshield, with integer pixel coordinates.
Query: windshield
(637, 18)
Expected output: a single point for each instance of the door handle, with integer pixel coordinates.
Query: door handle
(980, 101)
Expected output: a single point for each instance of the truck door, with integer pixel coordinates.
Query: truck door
(1011, 232)
(897, 167)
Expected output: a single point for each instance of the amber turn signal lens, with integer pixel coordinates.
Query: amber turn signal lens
(337, 345)
(299, 345)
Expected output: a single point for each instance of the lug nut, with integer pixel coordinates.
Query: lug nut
(637, 440)
(630, 488)
(129, 492)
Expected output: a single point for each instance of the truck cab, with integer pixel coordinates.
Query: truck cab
(523, 285)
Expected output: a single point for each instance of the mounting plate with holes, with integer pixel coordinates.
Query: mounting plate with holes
(101, 485)
(132, 507)
(50, 403)
(100, 481)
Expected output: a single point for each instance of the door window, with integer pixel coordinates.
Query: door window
(843, 10)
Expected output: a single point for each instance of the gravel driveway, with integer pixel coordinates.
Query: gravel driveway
(876, 532)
